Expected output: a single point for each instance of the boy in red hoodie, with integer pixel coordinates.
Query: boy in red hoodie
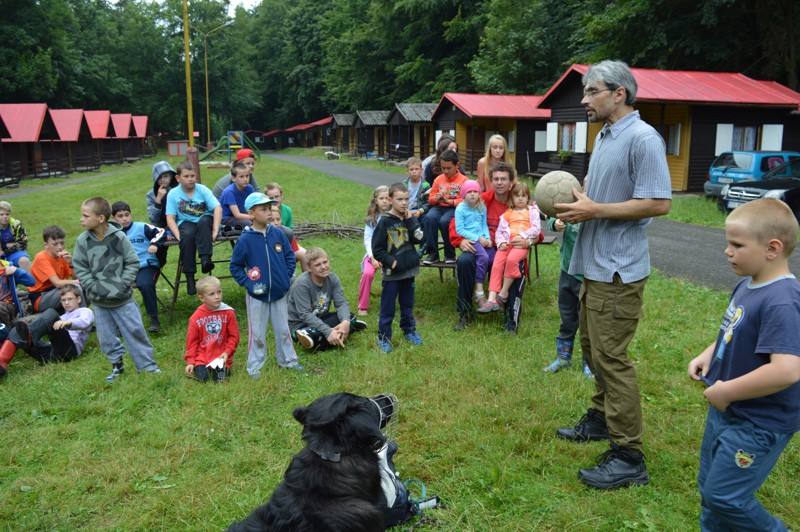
(213, 334)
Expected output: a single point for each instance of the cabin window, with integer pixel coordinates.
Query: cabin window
(674, 139)
(566, 136)
(744, 138)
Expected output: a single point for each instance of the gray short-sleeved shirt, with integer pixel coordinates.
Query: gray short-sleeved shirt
(629, 162)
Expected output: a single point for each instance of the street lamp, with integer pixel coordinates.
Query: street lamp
(205, 35)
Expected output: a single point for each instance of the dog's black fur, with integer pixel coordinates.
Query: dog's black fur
(319, 494)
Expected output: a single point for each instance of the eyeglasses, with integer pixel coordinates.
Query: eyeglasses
(591, 93)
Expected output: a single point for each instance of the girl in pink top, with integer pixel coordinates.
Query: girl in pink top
(521, 219)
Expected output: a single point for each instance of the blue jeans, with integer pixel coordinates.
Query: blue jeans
(736, 457)
(146, 283)
(403, 292)
(437, 220)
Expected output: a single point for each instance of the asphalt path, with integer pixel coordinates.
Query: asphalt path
(679, 250)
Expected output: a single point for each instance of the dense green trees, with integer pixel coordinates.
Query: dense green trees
(282, 63)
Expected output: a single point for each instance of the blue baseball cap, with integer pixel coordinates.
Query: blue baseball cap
(257, 198)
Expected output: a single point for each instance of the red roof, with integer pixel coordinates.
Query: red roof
(68, 123)
(323, 122)
(298, 127)
(99, 124)
(27, 122)
(140, 125)
(701, 87)
(496, 105)
(123, 126)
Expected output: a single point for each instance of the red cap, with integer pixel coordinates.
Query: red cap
(244, 153)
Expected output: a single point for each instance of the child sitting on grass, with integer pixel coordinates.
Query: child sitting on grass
(377, 206)
(393, 245)
(68, 332)
(10, 306)
(106, 264)
(263, 263)
(213, 334)
(471, 226)
(146, 240)
(193, 216)
(311, 320)
(752, 370)
(521, 219)
(13, 239)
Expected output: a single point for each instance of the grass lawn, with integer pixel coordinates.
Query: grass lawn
(477, 420)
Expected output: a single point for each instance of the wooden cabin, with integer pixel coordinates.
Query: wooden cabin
(411, 130)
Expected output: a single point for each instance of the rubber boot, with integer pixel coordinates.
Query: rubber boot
(155, 325)
(30, 331)
(190, 287)
(7, 351)
(563, 356)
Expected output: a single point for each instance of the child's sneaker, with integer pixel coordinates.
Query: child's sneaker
(385, 345)
(117, 369)
(586, 371)
(155, 324)
(480, 301)
(413, 337)
(358, 325)
(501, 301)
(557, 364)
(295, 366)
(432, 258)
(304, 337)
(450, 260)
(488, 306)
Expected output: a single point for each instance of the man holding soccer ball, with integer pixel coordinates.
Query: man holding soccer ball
(628, 183)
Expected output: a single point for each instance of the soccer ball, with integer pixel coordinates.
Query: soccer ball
(555, 187)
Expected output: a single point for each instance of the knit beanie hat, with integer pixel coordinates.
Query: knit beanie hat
(469, 186)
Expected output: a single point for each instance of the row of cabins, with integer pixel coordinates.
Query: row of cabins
(38, 141)
(699, 115)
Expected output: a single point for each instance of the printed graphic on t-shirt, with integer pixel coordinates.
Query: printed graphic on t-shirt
(733, 317)
(192, 208)
(397, 237)
(321, 304)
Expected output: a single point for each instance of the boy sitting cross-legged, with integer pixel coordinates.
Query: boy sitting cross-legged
(213, 334)
(311, 320)
(263, 263)
(106, 264)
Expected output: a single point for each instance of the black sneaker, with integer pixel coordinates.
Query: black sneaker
(304, 337)
(190, 287)
(616, 468)
(358, 325)
(117, 369)
(155, 325)
(432, 258)
(463, 321)
(591, 427)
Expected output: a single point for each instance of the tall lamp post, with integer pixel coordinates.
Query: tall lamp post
(205, 35)
(190, 119)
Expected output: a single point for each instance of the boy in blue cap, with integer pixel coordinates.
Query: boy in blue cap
(263, 263)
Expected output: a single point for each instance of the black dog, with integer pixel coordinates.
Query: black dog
(334, 483)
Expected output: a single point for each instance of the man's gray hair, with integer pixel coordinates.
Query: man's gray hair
(614, 74)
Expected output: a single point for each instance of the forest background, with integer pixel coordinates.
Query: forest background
(283, 63)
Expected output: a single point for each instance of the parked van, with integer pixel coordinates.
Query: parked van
(731, 167)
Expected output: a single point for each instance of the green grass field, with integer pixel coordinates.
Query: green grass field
(477, 422)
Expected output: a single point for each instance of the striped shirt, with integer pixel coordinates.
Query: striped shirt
(629, 162)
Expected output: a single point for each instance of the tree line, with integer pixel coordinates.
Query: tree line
(282, 63)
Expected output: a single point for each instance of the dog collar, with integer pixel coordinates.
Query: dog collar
(331, 456)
